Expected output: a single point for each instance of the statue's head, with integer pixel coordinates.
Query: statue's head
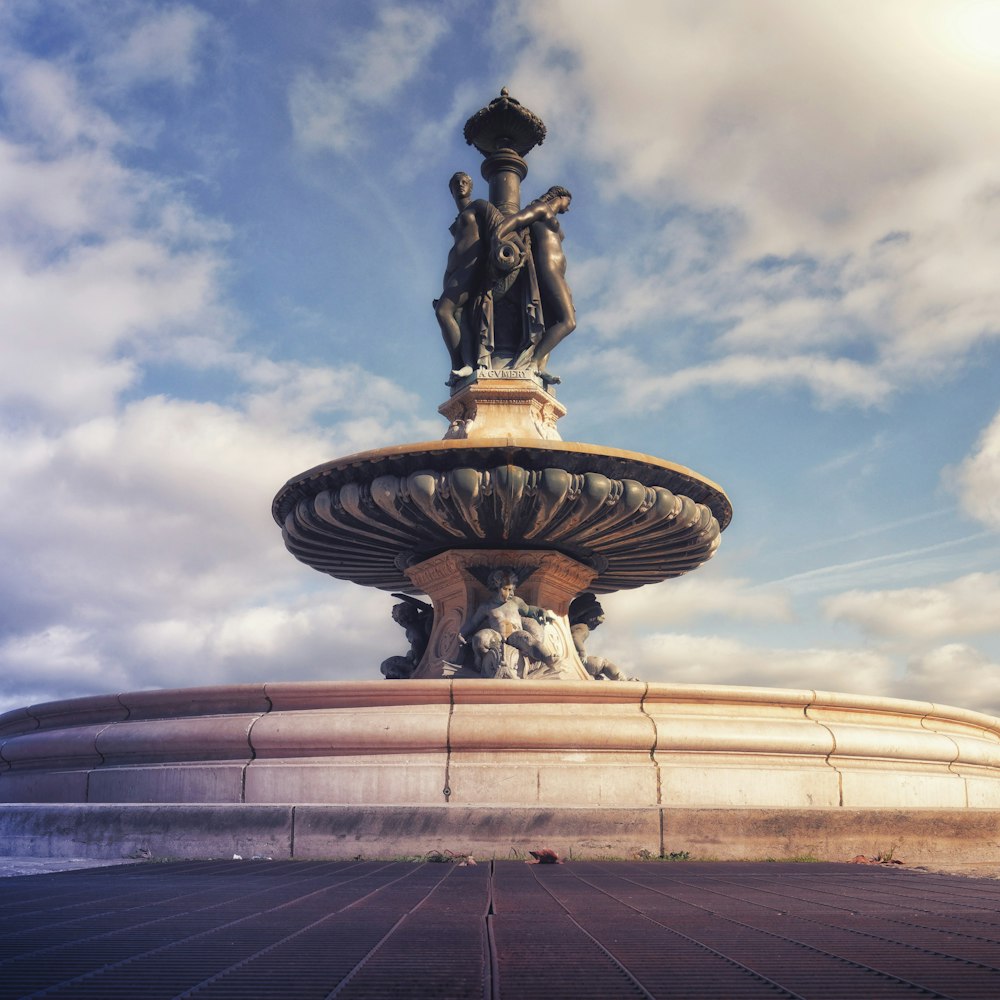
(460, 184)
(586, 610)
(502, 582)
(557, 193)
(405, 614)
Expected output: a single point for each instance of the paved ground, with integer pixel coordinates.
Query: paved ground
(45, 866)
(584, 929)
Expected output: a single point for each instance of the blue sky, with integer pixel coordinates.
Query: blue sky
(222, 226)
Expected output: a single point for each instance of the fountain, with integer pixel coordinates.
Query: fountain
(502, 491)
(496, 731)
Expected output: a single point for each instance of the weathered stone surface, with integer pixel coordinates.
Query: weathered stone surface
(918, 836)
(164, 831)
(488, 743)
(497, 406)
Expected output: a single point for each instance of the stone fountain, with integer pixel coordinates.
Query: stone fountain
(497, 732)
(502, 491)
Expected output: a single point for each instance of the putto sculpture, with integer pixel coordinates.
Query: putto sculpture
(507, 636)
(416, 618)
(585, 614)
(508, 530)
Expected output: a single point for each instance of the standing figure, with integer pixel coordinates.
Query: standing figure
(550, 268)
(504, 624)
(465, 274)
(585, 614)
(492, 254)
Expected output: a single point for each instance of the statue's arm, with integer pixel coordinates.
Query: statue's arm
(474, 621)
(535, 212)
(530, 611)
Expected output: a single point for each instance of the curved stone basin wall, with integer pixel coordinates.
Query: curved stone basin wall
(638, 758)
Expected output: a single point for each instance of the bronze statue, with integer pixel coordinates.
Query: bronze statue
(417, 618)
(585, 614)
(504, 626)
(504, 302)
(464, 272)
(550, 267)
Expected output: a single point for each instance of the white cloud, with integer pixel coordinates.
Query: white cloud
(163, 47)
(146, 554)
(143, 551)
(97, 261)
(967, 606)
(832, 380)
(678, 602)
(955, 673)
(71, 321)
(978, 478)
(368, 71)
(851, 146)
(342, 632)
(690, 659)
(45, 103)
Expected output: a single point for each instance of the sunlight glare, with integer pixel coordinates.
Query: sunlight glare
(973, 30)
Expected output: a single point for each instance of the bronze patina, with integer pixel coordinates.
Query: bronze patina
(505, 302)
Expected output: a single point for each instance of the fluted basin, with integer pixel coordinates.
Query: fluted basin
(632, 518)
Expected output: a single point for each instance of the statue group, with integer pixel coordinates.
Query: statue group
(505, 302)
(505, 638)
(504, 306)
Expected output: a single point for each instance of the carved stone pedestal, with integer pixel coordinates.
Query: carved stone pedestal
(549, 580)
(501, 403)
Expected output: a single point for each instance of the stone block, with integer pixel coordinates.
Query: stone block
(218, 782)
(381, 832)
(200, 737)
(746, 781)
(918, 836)
(165, 831)
(32, 785)
(396, 779)
(390, 729)
(873, 784)
(558, 780)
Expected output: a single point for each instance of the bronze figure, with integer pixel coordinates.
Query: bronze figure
(505, 302)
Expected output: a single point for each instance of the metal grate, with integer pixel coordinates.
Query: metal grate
(505, 931)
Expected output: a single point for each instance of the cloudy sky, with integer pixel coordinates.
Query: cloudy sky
(222, 225)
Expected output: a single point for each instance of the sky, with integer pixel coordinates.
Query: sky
(222, 225)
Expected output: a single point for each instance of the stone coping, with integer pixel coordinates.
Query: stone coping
(265, 697)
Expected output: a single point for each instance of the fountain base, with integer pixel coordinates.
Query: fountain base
(495, 768)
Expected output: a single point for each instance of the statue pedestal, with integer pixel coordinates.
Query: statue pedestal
(501, 403)
(549, 580)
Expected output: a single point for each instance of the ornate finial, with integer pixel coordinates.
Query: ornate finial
(504, 123)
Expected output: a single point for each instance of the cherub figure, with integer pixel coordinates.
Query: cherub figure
(505, 625)
(417, 618)
(585, 614)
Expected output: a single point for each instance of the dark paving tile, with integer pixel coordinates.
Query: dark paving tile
(373, 929)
